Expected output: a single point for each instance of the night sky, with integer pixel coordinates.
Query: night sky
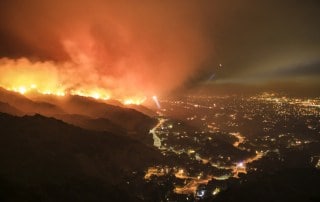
(158, 46)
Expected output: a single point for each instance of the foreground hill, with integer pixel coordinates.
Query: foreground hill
(6, 108)
(131, 120)
(86, 122)
(28, 106)
(84, 112)
(44, 159)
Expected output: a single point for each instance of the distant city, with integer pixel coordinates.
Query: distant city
(210, 141)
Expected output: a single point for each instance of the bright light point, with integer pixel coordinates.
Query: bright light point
(216, 191)
(60, 94)
(96, 95)
(240, 165)
(33, 86)
(22, 90)
(128, 102)
(201, 193)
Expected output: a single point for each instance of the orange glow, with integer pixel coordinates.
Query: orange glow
(22, 89)
(134, 100)
(49, 78)
(98, 94)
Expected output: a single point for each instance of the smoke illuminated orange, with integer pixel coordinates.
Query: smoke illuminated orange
(23, 76)
(107, 58)
(96, 94)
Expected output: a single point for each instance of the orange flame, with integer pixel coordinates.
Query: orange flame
(25, 77)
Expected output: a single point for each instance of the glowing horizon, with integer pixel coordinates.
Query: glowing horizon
(95, 94)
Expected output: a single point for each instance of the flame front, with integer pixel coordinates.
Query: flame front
(98, 94)
(25, 77)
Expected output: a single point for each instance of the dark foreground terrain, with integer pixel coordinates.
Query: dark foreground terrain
(230, 148)
(44, 159)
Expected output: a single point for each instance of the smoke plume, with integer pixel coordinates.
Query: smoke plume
(132, 48)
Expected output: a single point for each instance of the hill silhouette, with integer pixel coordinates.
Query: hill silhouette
(86, 122)
(45, 159)
(28, 106)
(130, 119)
(7, 108)
(84, 112)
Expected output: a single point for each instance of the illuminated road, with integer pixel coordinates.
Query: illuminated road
(194, 181)
(221, 146)
(153, 131)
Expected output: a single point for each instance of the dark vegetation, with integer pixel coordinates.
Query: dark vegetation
(44, 159)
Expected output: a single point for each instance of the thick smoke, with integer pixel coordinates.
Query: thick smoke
(128, 48)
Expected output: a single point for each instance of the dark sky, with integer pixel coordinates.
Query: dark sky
(259, 38)
(171, 41)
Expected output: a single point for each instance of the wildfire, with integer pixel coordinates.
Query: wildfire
(98, 94)
(134, 101)
(50, 78)
(24, 89)
(69, 78)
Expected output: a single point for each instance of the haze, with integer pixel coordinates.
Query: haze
(146, 48)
